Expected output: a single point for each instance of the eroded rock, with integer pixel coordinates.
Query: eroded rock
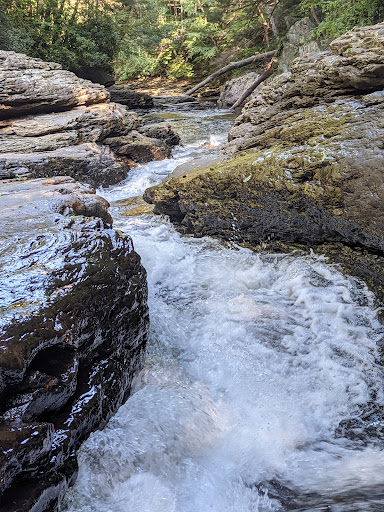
(73, 326)
(91, 163)
(30, 85)
(48, 132)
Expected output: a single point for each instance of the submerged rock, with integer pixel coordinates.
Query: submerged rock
(309, 163)
(73, 327)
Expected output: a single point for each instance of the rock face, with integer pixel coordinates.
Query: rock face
(30, 86)
(308, 165)
(299, 41)
(73, 327)
(68, 122)
(234, 88)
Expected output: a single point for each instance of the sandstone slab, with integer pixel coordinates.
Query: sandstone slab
(38, 86)
(91, 163)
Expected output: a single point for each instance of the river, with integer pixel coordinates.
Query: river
(262, 388)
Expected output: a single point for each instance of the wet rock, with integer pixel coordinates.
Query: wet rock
(39, 86)
(139, 148)
(308, 168)
(130, 98)
(73, 326)
(161, 131)
(90, 163)
(233, 89)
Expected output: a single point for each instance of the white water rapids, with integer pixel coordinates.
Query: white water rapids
(253, 363)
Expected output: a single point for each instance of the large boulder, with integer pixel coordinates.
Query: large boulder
(30, 85)
(299, 41)
(307, 168)
(233, 89)
(73, 327)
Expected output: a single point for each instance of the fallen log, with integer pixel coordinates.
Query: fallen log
(229, 67)
(267, 73)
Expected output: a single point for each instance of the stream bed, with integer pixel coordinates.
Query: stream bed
(262, 388)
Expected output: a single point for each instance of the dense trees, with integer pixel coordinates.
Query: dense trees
(75, 33)
(177, 38)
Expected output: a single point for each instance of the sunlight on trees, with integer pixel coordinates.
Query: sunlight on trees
(175, 38)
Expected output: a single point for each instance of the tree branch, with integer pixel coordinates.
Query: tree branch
(229, 67)
(267, 73)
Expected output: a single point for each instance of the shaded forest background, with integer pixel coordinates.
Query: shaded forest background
(172, 38)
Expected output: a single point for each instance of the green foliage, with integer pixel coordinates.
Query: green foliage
(338, 16)
(75, 33)
(173, 38)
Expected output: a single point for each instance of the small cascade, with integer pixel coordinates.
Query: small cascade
(262, 388)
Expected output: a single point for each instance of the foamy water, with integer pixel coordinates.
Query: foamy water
(253, 363)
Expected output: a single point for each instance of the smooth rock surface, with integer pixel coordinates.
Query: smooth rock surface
(73, 326)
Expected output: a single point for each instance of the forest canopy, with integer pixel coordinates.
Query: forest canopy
(175, 38)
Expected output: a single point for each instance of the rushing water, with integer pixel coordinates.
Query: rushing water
(261, 390)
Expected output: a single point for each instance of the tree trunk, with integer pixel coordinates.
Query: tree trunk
(271, 20)
(229, 67)
(267, 73)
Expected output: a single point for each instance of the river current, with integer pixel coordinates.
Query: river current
(262, 388)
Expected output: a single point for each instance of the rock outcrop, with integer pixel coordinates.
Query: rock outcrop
(67, 123)
(299, 41)
(304, 166)
(73, 327)
(30, 85)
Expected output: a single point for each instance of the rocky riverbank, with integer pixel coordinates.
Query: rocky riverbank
(54, 123)
(304, 164)
(73, 312)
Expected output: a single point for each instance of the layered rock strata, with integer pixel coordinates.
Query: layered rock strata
(304, 165)
(65, 121)
(73, 327)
